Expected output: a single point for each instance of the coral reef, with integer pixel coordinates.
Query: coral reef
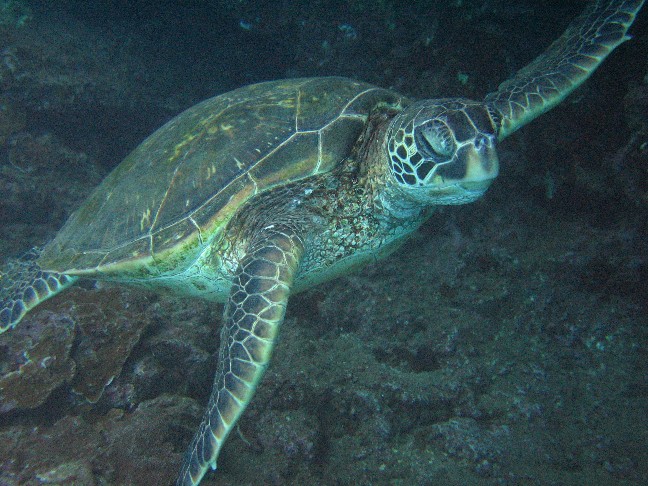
(39, 356)
(83, 341)
(112, 449)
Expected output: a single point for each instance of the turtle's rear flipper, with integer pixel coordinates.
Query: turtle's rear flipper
(24, 285)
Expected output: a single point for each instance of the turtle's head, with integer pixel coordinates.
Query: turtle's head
(443, 151)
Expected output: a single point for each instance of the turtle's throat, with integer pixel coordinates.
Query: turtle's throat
(390, 203)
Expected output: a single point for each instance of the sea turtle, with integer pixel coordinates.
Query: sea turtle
(267, 190)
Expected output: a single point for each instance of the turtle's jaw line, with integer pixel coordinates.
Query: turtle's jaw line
(476, 187)
(473, 190)
(458, 192)
(447, 193)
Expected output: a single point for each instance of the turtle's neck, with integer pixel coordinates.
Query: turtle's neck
(390, 203)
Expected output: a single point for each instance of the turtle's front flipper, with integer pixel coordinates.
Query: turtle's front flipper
(253, 314)
(568, 62)
(25, 285)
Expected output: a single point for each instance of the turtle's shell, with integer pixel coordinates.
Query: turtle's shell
(177, 190)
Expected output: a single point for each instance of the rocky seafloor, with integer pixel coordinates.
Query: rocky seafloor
(504, 343)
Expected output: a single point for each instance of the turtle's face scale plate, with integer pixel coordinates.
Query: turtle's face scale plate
(443, 151)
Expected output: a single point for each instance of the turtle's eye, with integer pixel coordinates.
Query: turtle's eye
(435, 141)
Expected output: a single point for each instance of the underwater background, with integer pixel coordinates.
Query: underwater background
(504, 343)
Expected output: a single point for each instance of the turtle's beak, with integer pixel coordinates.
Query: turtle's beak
(474, 169)
(482, 163)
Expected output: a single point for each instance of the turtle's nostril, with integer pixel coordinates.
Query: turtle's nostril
(482, 142)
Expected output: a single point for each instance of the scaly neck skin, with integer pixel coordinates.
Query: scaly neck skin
(391, 205)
